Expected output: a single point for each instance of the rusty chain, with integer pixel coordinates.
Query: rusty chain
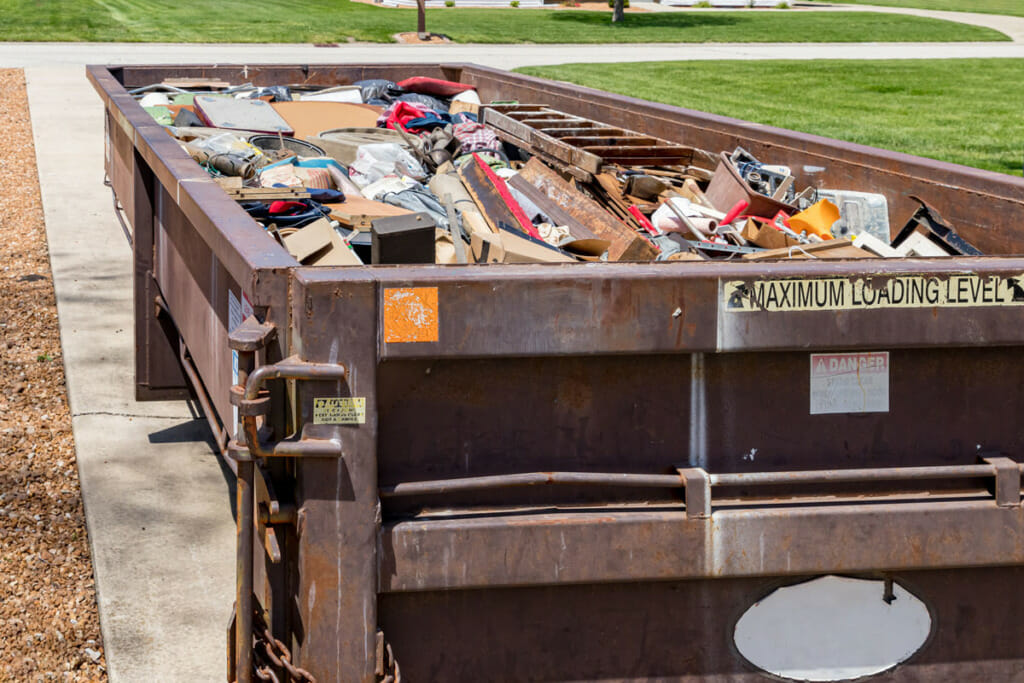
(392, 672)
(270, 655)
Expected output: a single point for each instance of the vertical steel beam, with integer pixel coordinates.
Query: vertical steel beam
(337, 555)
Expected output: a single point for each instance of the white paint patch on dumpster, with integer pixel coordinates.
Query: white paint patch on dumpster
(850, 382)
(832, 629)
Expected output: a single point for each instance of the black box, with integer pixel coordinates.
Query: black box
(403, 239)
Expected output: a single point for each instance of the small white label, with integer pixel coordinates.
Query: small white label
(850, 382)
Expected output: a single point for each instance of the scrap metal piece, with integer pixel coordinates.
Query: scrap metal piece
(938, 231)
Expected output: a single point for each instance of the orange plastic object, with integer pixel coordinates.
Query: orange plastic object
(816, 220)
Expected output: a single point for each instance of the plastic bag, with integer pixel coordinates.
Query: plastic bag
(373, 162)
(379, 89)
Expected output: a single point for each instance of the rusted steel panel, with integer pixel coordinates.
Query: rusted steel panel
(186, 272)
(678, 631)
(617, 546)
(335, 569)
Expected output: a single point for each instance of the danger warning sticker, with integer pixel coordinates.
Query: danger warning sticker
(904, 291)
(339, 411)
(850, 382)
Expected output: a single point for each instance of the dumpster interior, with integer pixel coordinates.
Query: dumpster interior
(422, 171)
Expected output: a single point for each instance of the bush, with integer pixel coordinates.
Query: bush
(625, 3)
(514, 3)
(449, 3)
(702, 4)
(782, 5)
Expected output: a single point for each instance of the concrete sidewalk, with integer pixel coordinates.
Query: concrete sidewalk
(157, 505)
(504, 56)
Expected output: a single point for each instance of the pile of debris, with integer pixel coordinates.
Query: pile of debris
(420, 171)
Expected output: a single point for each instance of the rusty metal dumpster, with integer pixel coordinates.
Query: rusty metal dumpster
(596, 471)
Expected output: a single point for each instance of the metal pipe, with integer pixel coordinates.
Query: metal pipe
(853, 476)
(220, 434)
(245, 501)
(119, 214)
(297, 448)
(245, 513)
(502, 481)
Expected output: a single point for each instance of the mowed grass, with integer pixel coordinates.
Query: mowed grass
(966, 111)
(327, 21)
(1009, 7)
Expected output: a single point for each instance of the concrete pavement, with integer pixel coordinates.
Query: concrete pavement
(505, 56)
(156, 498)
(157, 504)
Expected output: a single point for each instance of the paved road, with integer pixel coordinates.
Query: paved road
(505, 56)
(156, 498)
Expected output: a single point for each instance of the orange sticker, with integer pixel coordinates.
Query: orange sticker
(410, 315)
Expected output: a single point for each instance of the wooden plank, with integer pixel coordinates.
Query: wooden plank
(358, 212)
(655, 151)
(532, 140)
(642, 160)
(608, 141)
(585, 210)
(498, 208)
(594, 130)
(564, 122)
(551, 208)
(502, 123)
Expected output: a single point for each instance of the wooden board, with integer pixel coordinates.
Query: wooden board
(311, 118)
(359, 212)
(586, 211)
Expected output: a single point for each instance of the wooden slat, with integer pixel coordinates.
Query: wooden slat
(608, 141)
(554, 122)
(594, 130)
(585, 210)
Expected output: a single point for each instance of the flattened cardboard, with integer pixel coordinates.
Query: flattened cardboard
(766, 236)
(307, 241)
(310, 118)
(507, 247)
(832, 249)
(340, 254)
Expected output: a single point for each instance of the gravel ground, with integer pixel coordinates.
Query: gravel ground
(49, 626)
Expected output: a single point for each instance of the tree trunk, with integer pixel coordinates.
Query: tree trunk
(619, 12)
(421, 17)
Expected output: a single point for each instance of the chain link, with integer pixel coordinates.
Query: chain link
(392, 672)
(274, 655)
(270, 654)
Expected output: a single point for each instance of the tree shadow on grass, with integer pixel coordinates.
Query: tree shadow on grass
(648, 20)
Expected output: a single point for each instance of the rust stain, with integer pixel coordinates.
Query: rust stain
(410, 315)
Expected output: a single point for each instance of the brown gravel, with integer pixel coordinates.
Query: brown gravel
(49, 626)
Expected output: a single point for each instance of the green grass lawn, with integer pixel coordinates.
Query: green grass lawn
(309, 21)
(1010, 7)
(967, 111)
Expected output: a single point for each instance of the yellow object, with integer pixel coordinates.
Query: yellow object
(816, 220)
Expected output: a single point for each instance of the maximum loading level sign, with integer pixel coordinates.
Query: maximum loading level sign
(899, 291)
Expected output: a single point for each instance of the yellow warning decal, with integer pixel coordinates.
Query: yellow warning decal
(410, 315)
(339, 411)
(901, 291)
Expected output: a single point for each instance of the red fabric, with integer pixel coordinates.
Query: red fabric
(282, 206)
(433, 86)
(400, 113)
